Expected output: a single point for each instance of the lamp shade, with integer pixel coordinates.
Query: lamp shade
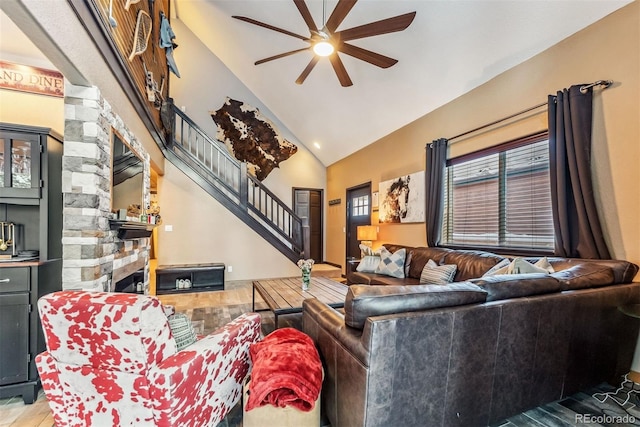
(367, 233)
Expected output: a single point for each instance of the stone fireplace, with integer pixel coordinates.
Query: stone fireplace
(94, 258)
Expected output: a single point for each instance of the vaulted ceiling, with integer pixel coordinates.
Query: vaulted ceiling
(450, 48)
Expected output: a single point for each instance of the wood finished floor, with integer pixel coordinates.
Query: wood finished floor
(208, 310)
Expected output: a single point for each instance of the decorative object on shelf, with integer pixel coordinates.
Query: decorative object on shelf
(7, 239)
(305, 266)
(154, 212)
(402, 199)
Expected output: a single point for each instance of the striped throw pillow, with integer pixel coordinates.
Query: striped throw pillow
(435, 274)
(182, 330)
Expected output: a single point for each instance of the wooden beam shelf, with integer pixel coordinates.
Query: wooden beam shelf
(131, 229)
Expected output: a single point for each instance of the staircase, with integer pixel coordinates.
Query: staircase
(208, 163)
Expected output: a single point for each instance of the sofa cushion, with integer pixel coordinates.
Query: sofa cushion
(391, 264)
(365, 301)
(420, 257)
(435, 274)
(498, 267)
(471, 264)
(623, 271)
(506, 286)
(361, 278)
(585, 275)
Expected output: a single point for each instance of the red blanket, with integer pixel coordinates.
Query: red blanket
(286, 371)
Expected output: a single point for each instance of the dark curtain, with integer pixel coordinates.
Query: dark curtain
(578, 233)
(434, 185)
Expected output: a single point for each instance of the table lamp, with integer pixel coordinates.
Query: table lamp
(367, 234)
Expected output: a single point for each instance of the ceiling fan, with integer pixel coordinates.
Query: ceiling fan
(326, 41)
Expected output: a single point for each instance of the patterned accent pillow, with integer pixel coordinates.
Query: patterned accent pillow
(501, 266)
(392, 264)
(182, 330)
(435, 274)
(521, 266)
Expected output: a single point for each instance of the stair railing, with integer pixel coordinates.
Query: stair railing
(211, 159)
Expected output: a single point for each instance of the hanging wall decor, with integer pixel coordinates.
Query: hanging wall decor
(251, 137)
(401, 200)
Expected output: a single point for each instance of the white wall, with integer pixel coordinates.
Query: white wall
(203, 231)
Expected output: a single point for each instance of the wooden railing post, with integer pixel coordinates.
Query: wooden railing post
(168, 117)
(244, 185)
(306, 238)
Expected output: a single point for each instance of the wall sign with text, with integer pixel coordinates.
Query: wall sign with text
(25, 78)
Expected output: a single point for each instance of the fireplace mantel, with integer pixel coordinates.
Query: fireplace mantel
(131, 229)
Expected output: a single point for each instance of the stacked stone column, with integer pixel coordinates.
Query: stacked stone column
(91, 250)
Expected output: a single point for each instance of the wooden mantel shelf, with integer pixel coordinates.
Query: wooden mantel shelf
(131, 229)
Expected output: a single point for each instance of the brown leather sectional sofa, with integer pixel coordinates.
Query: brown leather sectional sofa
(476, 351)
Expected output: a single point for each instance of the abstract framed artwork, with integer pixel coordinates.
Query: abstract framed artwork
(401, 200)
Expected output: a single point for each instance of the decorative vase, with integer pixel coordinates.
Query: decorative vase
(306, 278)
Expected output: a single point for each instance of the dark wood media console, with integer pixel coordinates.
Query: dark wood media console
(202, 277)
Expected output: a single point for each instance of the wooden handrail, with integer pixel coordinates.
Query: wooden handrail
(211, 158)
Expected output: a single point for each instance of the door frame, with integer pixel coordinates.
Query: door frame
(322, 219)
(349, 216)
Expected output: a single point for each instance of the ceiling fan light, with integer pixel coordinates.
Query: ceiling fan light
(323, 48)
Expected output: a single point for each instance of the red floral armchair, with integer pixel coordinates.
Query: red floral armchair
(111, 360)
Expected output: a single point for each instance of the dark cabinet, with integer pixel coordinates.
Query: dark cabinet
(14, 334)
(20, 164)
(31, 201)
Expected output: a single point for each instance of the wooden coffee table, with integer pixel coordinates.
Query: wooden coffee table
(285, 295)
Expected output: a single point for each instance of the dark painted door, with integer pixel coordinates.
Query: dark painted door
(358, 213)
(308, 204)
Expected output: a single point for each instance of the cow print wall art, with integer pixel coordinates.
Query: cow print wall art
(401, 200)
(251, 137)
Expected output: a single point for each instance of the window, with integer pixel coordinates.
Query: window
(360, 206)
(500, 197)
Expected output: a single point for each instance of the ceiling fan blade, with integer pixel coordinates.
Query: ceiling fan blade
(384, 26)
(367, 56)
(306, 15)
(271, 27)
(282, 55)
(341, 72)
(307, 70)
(339, 13)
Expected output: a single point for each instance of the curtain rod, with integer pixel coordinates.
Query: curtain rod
(583, 89)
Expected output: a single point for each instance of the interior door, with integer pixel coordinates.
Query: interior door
(307, 203)
(358, 213)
